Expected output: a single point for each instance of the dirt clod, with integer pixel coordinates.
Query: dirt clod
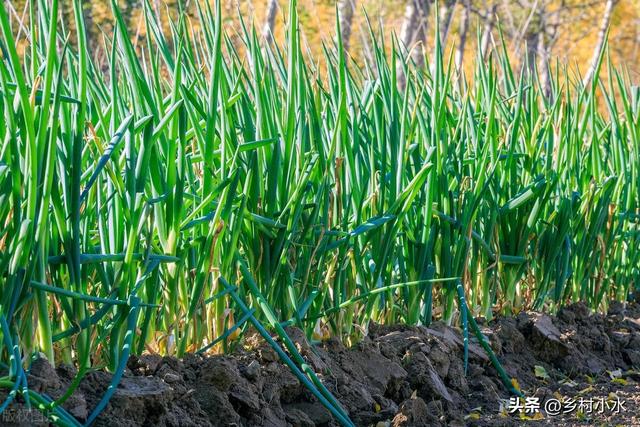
(397, 376)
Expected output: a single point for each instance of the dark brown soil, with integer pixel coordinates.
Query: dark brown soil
(397, 376)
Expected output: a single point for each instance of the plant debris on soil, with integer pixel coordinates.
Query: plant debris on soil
(397, 376)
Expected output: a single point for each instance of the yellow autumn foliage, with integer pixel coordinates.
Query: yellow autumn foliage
(577, 25)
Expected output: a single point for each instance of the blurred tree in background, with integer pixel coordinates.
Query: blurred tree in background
(536, 31)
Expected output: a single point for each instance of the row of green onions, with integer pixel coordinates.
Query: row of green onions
(199, 184)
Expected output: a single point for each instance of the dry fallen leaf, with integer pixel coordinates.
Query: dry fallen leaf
(586, 390)
(620, 381)
(474, 416)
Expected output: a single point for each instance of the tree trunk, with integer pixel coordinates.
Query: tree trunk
(414, 23)
(419, 42)
(413, 34)
(551, 23)
(488, 28)
(543, 69)
(346, 9)
(602, 35)
(87, 15)
(532, 40)
(464, 29)
(270, 20)
(156, 8)
(445, 13)
(533, 32)
(409, 23)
